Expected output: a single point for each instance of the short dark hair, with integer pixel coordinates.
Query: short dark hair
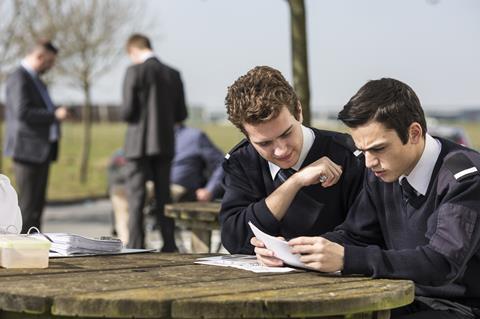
(387, 101)
(259, 96)
(45, 44)
(139, 41)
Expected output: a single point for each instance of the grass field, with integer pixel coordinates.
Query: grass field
(64, 178)
(64, 175)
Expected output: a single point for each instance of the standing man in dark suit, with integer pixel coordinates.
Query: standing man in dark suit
(323, 171)
(153, 101)
(32, 130)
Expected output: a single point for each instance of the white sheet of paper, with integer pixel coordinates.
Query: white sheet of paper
(245, 262)
(280, 248)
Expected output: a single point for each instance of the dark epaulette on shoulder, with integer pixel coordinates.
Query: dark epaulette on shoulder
(236, 147)
(346, 141)
(461, 166)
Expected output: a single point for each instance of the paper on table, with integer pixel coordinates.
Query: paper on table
(280, 248)
(124, 251)
(245, 262)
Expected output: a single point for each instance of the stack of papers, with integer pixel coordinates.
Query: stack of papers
(70, 244)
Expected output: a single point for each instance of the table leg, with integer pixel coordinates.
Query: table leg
(201, 240)
(381, 314)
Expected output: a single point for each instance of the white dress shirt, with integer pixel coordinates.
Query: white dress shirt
(308, 139)
(420, 176)
(147, 55)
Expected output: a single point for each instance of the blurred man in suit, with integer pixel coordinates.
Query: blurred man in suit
(32, 130)
(153, 101)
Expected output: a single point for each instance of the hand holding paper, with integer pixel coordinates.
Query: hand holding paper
(280, 247)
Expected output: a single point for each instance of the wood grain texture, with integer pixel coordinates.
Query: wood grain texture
(155, 285)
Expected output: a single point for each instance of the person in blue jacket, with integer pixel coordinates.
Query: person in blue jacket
(418, 215)
(197, 166)
(196, 175)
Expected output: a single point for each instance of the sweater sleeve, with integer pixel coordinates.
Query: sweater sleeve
(361, 226)
(242, 202)
(452, 232)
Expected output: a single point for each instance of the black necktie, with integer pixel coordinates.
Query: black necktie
(410, 195)
(282, 176)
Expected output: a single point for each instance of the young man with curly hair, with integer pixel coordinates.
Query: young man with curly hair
(286, 178)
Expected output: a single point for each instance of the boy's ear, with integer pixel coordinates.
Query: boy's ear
(298, 110)
(415, 133)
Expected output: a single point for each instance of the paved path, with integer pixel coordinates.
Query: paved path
(89, 218)
(93, 219)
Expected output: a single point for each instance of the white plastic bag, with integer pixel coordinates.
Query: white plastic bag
(10, 215)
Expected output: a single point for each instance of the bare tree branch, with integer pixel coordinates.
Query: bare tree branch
(10, 47)
(9, 28)
(91, 34)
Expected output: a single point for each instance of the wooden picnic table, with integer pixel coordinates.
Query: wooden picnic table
(200, 217)
(155, 285)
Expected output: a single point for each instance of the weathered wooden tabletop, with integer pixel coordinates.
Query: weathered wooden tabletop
(200, 217)
(154, 285)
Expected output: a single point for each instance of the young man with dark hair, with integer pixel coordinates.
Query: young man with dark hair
(417, 216)
(287, 179)
(32, 130)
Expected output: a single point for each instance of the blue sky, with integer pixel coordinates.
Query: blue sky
(432, 45)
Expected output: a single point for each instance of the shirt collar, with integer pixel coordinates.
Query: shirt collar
(29, 69)
(308, 139)
(147, 55)
(421, 174)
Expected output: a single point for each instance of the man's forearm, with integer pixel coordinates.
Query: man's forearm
(279, 201)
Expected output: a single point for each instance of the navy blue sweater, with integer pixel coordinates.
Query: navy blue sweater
(314, 211)
(434, 241)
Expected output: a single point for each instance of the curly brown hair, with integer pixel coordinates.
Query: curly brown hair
(259, 96)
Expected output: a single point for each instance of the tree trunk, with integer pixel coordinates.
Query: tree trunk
(299, 56)
(2, 127)
(1, 145)
(87, 133)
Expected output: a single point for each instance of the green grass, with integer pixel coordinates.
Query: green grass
(473, 131)
(64, 181)
(224, 136)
